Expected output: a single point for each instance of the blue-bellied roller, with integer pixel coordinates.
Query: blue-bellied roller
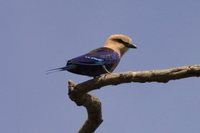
(101, 60)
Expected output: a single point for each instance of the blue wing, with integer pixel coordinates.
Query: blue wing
(100, 56)
(94, 63)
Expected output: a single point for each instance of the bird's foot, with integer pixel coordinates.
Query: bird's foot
(103, 75)
(106, 74)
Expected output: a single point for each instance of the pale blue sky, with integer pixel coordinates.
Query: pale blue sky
(37, 35)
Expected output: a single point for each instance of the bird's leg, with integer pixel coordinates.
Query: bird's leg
(104, 67)
(108, 72)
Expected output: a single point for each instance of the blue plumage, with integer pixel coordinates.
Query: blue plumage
(94, 63)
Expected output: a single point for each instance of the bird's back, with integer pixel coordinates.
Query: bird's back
(94, 63)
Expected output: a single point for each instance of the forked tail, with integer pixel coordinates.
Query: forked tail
(56, 70)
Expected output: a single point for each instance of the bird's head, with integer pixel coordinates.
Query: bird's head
(120, 43)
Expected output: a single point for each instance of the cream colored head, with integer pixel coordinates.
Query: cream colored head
(120, 43)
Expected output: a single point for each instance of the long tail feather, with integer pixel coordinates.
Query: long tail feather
(56, 70)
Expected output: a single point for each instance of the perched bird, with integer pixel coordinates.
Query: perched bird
(101, 60)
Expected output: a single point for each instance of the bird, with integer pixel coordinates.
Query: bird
(99, 61)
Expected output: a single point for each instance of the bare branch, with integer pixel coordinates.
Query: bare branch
(78, 93)
(93, 106)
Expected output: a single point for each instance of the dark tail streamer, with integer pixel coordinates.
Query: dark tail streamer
(55, 70)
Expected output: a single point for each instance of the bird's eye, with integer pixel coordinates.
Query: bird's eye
(119, 41)
(126, 44)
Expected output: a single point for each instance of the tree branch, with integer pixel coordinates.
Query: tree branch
(78, 93)
(93, 106)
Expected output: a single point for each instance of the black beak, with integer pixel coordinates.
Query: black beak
(132, 46)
